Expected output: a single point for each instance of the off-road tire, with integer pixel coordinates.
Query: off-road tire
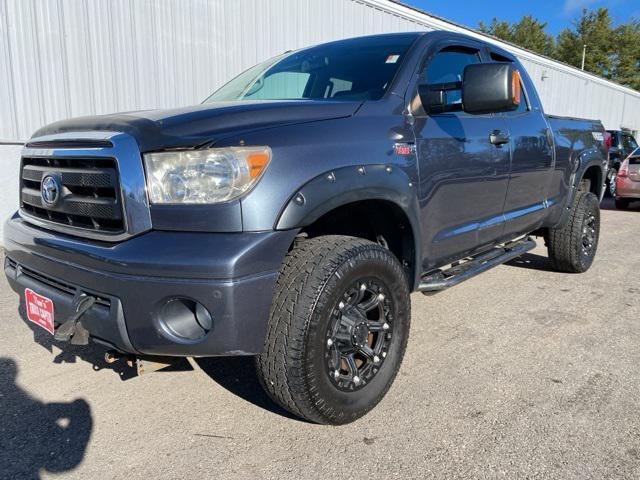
(622, 203)
(611, 182)
(565, 244)
(311, 281)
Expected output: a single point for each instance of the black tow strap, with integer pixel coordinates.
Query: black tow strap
(72, 329)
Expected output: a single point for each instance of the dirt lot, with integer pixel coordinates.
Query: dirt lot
(520, 372)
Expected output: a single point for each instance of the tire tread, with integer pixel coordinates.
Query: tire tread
(305, 271)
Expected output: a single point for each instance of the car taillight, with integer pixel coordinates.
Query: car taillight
(607, 141)
(624, 169)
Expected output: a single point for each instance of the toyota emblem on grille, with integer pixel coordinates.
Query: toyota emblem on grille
(50, 189)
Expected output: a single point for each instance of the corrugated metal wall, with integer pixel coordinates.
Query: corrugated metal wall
(68, 58)
(65, 58)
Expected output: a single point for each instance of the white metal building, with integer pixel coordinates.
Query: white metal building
(65, 58)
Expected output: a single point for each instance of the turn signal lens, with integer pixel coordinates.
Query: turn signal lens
(257, 161)
(516, 88)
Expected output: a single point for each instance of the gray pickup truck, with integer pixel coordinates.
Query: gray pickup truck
(291, 214)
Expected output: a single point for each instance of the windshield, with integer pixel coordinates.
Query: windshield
(355, 69)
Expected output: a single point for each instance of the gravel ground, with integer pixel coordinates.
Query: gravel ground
(518, 373)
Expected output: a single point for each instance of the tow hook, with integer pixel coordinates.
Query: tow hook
(72, 329)
(142, 364)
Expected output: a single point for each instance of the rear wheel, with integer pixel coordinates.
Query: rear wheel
(338, 329)
(611, 182)
(622, 203)
(573, 246)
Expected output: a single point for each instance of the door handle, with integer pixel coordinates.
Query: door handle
(498, 138)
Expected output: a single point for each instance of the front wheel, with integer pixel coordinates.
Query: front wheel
(573, 246)
(338, 329)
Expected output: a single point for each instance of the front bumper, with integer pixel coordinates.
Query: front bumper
(232, 275)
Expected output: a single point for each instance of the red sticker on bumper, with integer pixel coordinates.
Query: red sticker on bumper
(39, 309)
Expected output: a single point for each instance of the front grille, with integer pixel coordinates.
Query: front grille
(89, 198)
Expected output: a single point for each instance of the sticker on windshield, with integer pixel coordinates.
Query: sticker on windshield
(392, 59)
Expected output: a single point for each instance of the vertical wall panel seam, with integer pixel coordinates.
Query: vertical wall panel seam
(38, 60)
(90, 71)
(134, 53)
(154, 41)
(64, 59)
(13, 107)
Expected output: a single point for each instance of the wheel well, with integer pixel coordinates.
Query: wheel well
(592, 181)
(379, 221)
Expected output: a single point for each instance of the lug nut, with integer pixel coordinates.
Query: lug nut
(336, 374)
(376, 359)
(381, 297)
(385, 326)
(384, 354)
(329, 342)
(363, 286)
(341, 305)
(356, 380)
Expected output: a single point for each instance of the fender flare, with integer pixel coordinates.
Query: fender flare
(345, 185)
(586, 160)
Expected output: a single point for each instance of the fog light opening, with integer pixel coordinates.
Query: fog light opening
(185, 318)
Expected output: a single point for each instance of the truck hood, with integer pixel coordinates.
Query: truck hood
(203, 124)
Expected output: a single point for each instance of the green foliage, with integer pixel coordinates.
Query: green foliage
(611, 52)
(528, 33)
(626, 65)
(594, 30)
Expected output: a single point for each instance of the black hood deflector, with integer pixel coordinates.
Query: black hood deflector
(203, 124)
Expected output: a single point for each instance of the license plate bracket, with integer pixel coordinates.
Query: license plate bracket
(40, 310)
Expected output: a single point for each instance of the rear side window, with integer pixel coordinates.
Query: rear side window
(634, 159)
(447, 67)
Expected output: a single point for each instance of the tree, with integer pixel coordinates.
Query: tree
(498, 29)
(528, 33)
(612, 53)
(626, 65)
(594, 30)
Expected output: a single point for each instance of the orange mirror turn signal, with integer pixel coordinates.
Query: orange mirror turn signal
(516, 87)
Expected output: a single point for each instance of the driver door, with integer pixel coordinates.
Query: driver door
(463, 176)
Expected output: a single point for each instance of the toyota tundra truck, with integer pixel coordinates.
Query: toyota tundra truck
(290, 215)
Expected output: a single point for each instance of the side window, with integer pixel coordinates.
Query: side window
(524, 102)
(615, 140)
(281, 85)
(338, 87)
(628, 143)
(447, 67)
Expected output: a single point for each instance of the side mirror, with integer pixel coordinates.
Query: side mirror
(433, 100)
(437, 98)
(491, 88)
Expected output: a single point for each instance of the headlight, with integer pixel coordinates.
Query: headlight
(204, 176)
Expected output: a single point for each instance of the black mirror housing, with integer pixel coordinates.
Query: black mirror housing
(433, 100)
(490, 88)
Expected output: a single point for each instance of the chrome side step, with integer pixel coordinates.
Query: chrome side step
(439, 280)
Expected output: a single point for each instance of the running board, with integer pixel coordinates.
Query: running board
(460, 271)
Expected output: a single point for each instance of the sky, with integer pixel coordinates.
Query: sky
(558, 14)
